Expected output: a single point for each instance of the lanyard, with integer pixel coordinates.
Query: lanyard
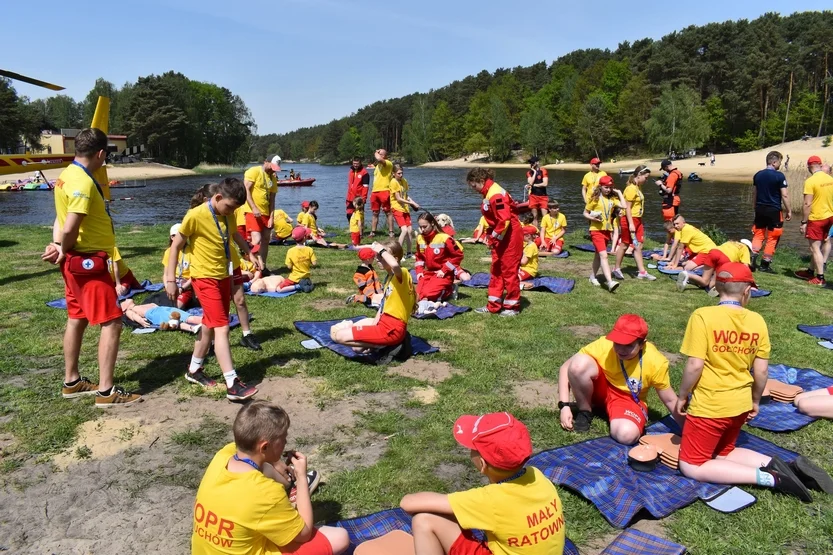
(97, 186)
(223, 236)
(385, 297)
(607, 210)
(250, 462)
(634, 394)
(730, 303)
(515, 476)
(180, 267)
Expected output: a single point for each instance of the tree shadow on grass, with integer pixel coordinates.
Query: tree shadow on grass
(327, 511)
(24, 276)
(7, 243)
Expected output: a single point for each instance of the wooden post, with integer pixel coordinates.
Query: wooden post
(787, 117)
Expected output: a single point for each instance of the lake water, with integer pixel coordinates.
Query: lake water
(165, 201)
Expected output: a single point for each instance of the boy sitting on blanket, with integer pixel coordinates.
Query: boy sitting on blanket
(520, 510)
(163, 317)
(389, 329)
(615, 373)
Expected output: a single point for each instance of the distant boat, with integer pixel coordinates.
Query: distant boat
(297, 182)
(626, 172)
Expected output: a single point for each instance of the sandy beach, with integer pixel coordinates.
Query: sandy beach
(739, 167)
(119, 172)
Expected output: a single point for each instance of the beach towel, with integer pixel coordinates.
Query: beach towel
(598, 469)
(444, 312)
(557, 285)
(636, 542)
(370, 527)
(784, 417)
(233, 322)
(147, 286)
(320, 332)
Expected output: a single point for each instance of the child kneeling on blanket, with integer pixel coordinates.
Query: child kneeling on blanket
(242, 504)
(520, 510)
(389, 328)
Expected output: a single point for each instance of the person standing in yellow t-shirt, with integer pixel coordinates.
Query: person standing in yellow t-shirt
(633, 236)
(599, 211)
(520, 509)
(357, 221)
(400, 203)
(723, 343)
(380, 194)
(261, 188)
(591, 179)
(818, 218)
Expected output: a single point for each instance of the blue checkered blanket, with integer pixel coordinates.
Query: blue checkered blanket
(598, 469)
(636, 542)
(320, 331)
(544, 283)
(147, 286)
(783, 417)
(444, 312)
(370, 527)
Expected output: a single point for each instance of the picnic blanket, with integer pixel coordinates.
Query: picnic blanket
(756, 293)
(598, 469)
(556, 285)
(147, 286)
(563, 254)
(320, 331)
(663, 269)
(233, 322)
(444, 312)
(370, 527)
(784, 417)
(633, 541)
(821, 332)
(588, 247)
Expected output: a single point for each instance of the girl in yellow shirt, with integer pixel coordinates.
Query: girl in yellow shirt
(599, 211)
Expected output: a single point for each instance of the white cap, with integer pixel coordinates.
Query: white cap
(275, 162)
(175, 229)
(747, 242)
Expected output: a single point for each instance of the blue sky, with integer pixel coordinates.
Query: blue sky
(303, 62)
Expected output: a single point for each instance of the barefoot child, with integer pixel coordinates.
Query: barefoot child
(553, 228)
(529, 260)
(209, 229)
(499, 448)
(299, 260)
(242, 504)
(357, 221)
(400, 203)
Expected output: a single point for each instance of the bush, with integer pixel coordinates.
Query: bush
(750, 141)
(826, 141)
(715, 233)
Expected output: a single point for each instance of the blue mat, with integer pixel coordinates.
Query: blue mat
(756, 293)
(271, 295)
(820, 332)
(598, 470)
(563, 254)
(633, 541)
(147, 287)
(444, 312)
(784, 417)
(557, 285)
(588, 247)
(320, 331)
(664, 270)
(370, 527)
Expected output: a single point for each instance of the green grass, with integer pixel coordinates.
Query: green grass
(492, 354)
(215, 169)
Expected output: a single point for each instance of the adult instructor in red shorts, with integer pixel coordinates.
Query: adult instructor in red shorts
(261, 189)
(83, 242)
(537, 181)
(380, 194)
(615, 373)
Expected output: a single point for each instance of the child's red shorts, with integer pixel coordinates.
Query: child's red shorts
(387, 332)
(600, 239)
(524, 275)
(706, 438)
(552, 246)
(317, 545)
(715, 259)
(402, 218)
(626, 231)
(538, 202)
(617, 403)
(466, 544)
(215, 297)
(356, 238)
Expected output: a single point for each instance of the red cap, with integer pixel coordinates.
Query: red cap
(735, 272)
(300, 233)
(501, 440)
(366, 254)
(595, 161)
(814, 160)
(305, 204)
(530, 230)
(606, 181)
(627, 329)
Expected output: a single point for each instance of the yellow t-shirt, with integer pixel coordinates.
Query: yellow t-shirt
(728, 340)
(736, 252)
(590, 180)
(75, 192)
(308, 221)
(399, 186)
(282, 224)
(633, 194)
(263, 186)
(183, 267)
(241, 513)
(696, 241)
(531, 252)
(356, 221)
(604, 205)
(523, 516)
(240, 216)
(820, 185)
(654, 367)
(382, 174)
(299, 259)
(482, 223)
(400, 297)
(120, 263)
(550, 225)
(208, 255)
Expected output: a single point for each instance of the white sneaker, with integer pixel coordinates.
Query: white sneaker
(682, 280)
(595, 282)
(646, 275)
(618, 274)
(612, 285)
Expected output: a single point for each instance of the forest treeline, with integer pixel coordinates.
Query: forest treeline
(179, 121)
(724, 87)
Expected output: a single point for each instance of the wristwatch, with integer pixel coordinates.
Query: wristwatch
(562, 404)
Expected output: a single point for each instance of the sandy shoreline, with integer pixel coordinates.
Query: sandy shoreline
(739, 167)
(119, 172)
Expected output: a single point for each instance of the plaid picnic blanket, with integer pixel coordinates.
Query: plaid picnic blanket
(556, 285)
(783, 417)
(636, 542)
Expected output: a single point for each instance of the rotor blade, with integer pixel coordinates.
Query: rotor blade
(30, 80)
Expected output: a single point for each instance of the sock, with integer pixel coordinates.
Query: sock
(764, 478)
(820, 276)
(229, 377)
(72, 383)
(247, 333)
(105, 393)
(196, 364)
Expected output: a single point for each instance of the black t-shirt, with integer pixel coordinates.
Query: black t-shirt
(768, 184)
(539, 178)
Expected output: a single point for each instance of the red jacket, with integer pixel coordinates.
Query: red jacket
(358, 183)
(497, 209)
(437, 251)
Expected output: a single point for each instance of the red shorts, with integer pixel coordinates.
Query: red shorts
(241, 229)
(389, 331)
(626, 231)
(715, 259)
(600, 239)
(215, 297)
(90, 298)
(617, 403)
(185, 297)
(465, 544)
(818, 230)
(524, 275)
(830, 390)
(129, 280)
(380, 200)
(668, 213)
(551, 245)
(706, 438)
(254, 224)
(433, 288)
(356, 238)
(317, 545)
(701, 258)
(237, 278)
(538, 201)
(402, 218)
